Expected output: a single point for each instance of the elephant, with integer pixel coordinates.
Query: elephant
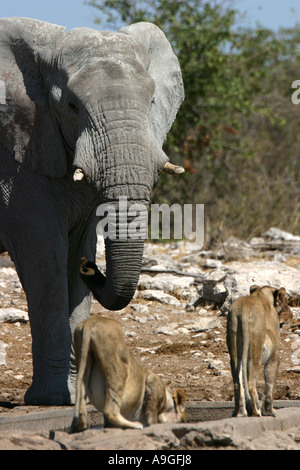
(83, 123)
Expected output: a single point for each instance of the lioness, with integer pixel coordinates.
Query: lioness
(114, 382)
(253, 339)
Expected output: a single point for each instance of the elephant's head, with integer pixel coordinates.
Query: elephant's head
(95, 108)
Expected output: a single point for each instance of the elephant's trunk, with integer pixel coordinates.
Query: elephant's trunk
(124, 253)
(116, 290)
(125, 168)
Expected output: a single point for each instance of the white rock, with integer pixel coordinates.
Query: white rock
(167, 282)
(188, 245)
(257, 241)
(160, 296)
(295, 356)
(215, 364)
(203, 324)
(141, 320)
(3, 347)
(215, 292)
(8, 273)
(277, 234)
(296, 312)
(158, 261)
(12, 315)
(164, 330)
(238, 277)
(183, 331)
(212, 263)
(234, 248)
(131, 334)
(181, 286)
(202, 311)
(140, 308)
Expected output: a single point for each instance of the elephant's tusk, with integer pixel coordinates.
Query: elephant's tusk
(173, 169)
(78, 175)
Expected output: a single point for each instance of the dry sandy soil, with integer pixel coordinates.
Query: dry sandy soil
(197, 362)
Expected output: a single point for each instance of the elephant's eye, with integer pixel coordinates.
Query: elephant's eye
(73, 107)
(153, 100)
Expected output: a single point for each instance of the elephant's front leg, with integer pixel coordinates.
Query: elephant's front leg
(46, 288)
(34, 232)
(45, 284)
(40, 253)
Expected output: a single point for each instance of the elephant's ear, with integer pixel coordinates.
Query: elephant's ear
(164, 68)
(28, 129)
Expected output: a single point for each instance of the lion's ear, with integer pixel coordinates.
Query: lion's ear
(281, 304)
(179, 397)
(281, 293)
(253, 288)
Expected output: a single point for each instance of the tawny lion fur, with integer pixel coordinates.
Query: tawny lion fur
(253, 337)
(115, 383)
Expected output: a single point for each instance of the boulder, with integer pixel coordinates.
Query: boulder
(233, 248)
(166, 282)
(12, 315)
(276, 234)
(3, 347)
(180, 286)
(159, 296)
(204, 324)
(233, 280)
(240, 276)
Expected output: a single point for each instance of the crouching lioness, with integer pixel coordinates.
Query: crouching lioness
(253, 339)
(114, 382)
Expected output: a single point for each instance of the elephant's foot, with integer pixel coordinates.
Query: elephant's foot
(55, 394)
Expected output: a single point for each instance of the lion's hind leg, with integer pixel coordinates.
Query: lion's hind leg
(240, 377)
(241, 394)
(238, 386)
(112, 408)
(255, 406)
(270, 374)
(113, 415)
(115, 379)
(253, 368)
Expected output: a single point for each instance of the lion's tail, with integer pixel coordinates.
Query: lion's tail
(242, 353)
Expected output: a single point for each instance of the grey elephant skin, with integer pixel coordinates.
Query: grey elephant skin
(82, 123)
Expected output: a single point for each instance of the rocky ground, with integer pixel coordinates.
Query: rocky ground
(176, 323)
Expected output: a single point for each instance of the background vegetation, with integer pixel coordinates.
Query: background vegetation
(237, 132)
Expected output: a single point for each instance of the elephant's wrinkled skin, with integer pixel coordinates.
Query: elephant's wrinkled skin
(83, 121)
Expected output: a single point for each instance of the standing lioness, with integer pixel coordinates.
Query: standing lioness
(114, 382)
(253, 339)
